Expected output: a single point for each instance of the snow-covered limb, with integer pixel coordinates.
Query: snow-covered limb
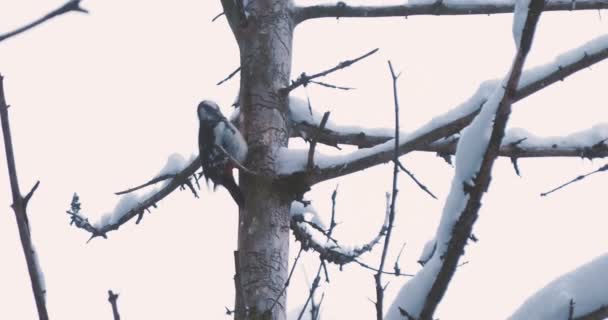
(313, 236)
(129, 206)
(69, 6)
(583, 290)
(19, 206)
(442, 126)
(476, 152)
(341, 9)
(519, 143)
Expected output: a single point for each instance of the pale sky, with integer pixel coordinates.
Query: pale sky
(100, 101)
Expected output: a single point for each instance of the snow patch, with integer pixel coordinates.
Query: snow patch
(586, 287)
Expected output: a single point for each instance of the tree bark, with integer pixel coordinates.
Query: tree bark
(264, 33)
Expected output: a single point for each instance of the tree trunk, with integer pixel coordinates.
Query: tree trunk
(264, 35)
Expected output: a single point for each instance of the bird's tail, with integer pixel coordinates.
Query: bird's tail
(235, 191)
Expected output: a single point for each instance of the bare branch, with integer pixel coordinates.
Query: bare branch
(304, 79)
(180, 179)
(391, 210)
(20, 208)
(311, 291)
(236, 162)
(328, 85)
(29, 195)
(579, 178)
(293, 267)
(217, 16)
(313, 142)
(342, 9)
(72, 5)
(413, 177)
(113, 298)
(149, 183)
(332, 225)
(232, 74)
(449, 124)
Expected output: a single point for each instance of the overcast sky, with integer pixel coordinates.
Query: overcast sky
(100, 101)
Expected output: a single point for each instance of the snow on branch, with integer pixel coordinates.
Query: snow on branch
(70, 6)
(476, 152)
(519, 143)
(446, 125)
(177, 173)
(313, 234)
(581, 294)
(341, 9)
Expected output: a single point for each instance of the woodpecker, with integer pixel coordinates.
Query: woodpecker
(215, 130)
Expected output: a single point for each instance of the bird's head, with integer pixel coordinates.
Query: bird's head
(209, 110)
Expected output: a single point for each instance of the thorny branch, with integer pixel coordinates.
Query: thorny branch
(72, 5)
(20, 208)
(304, 79)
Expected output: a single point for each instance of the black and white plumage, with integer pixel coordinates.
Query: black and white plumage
(215, 130)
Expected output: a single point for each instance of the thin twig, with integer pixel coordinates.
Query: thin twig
(232, 74)
(391, 217)
(311, 292)
(579, 178)
(313, 142)
(236, 162)
(72, 5)
(20, 207)
(304, 79)
(217, 16)
(293, 267)
(113, 299)
(420, 184)
(367, 266)
(149, 183)
(329, 85)
(396, 266)
(332, 225)
(315, 310)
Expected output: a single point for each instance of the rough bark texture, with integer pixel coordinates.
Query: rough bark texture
(264, 35)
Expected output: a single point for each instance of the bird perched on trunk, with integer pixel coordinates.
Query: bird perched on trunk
(220, 143)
